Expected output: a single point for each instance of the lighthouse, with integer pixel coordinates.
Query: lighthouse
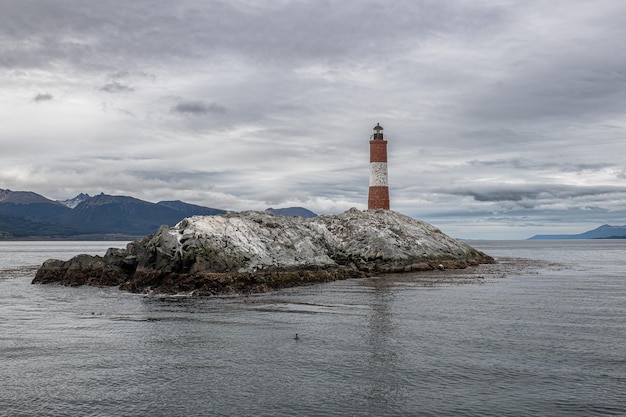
(378, 197)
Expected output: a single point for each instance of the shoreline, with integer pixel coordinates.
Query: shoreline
(204, 284)
(503, 267)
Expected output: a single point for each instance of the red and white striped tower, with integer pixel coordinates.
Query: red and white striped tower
(378, 197)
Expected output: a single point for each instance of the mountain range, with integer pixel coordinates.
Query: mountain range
(603, 232)
(25, 214)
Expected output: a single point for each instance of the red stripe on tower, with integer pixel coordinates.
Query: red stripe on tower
(378, 197)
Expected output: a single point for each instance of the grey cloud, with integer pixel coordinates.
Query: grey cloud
(582, 167)
(534, 192)
(504, 163)
(174, 176)
(500, 195)
(553, 87)
(198, 108)
(116, 87)
(271, 33)
(43, 97)
(120, 74)
(529, 165)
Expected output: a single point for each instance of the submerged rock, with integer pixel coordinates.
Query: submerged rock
(258, 251)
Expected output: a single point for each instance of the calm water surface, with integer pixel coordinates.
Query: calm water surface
(541, 337)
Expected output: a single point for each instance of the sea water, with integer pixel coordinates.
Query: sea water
(541, 333)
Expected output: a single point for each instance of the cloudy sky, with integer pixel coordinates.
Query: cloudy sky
(504, 118)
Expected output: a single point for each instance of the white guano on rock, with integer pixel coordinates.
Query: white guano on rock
(262, 239)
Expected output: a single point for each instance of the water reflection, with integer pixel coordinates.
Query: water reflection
(382, 366)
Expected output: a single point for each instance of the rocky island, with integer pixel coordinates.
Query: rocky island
(259, 251)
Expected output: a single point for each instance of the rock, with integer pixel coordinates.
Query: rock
(259, 251)
(83, 270)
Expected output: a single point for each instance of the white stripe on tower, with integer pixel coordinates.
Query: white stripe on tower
(378, 174)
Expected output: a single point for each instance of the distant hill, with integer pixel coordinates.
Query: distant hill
(293, 211)
(25, 214)
(23, 197)
(120, 214)
(17, 227)
(603, 232)
(191, 209)
(29, 205)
